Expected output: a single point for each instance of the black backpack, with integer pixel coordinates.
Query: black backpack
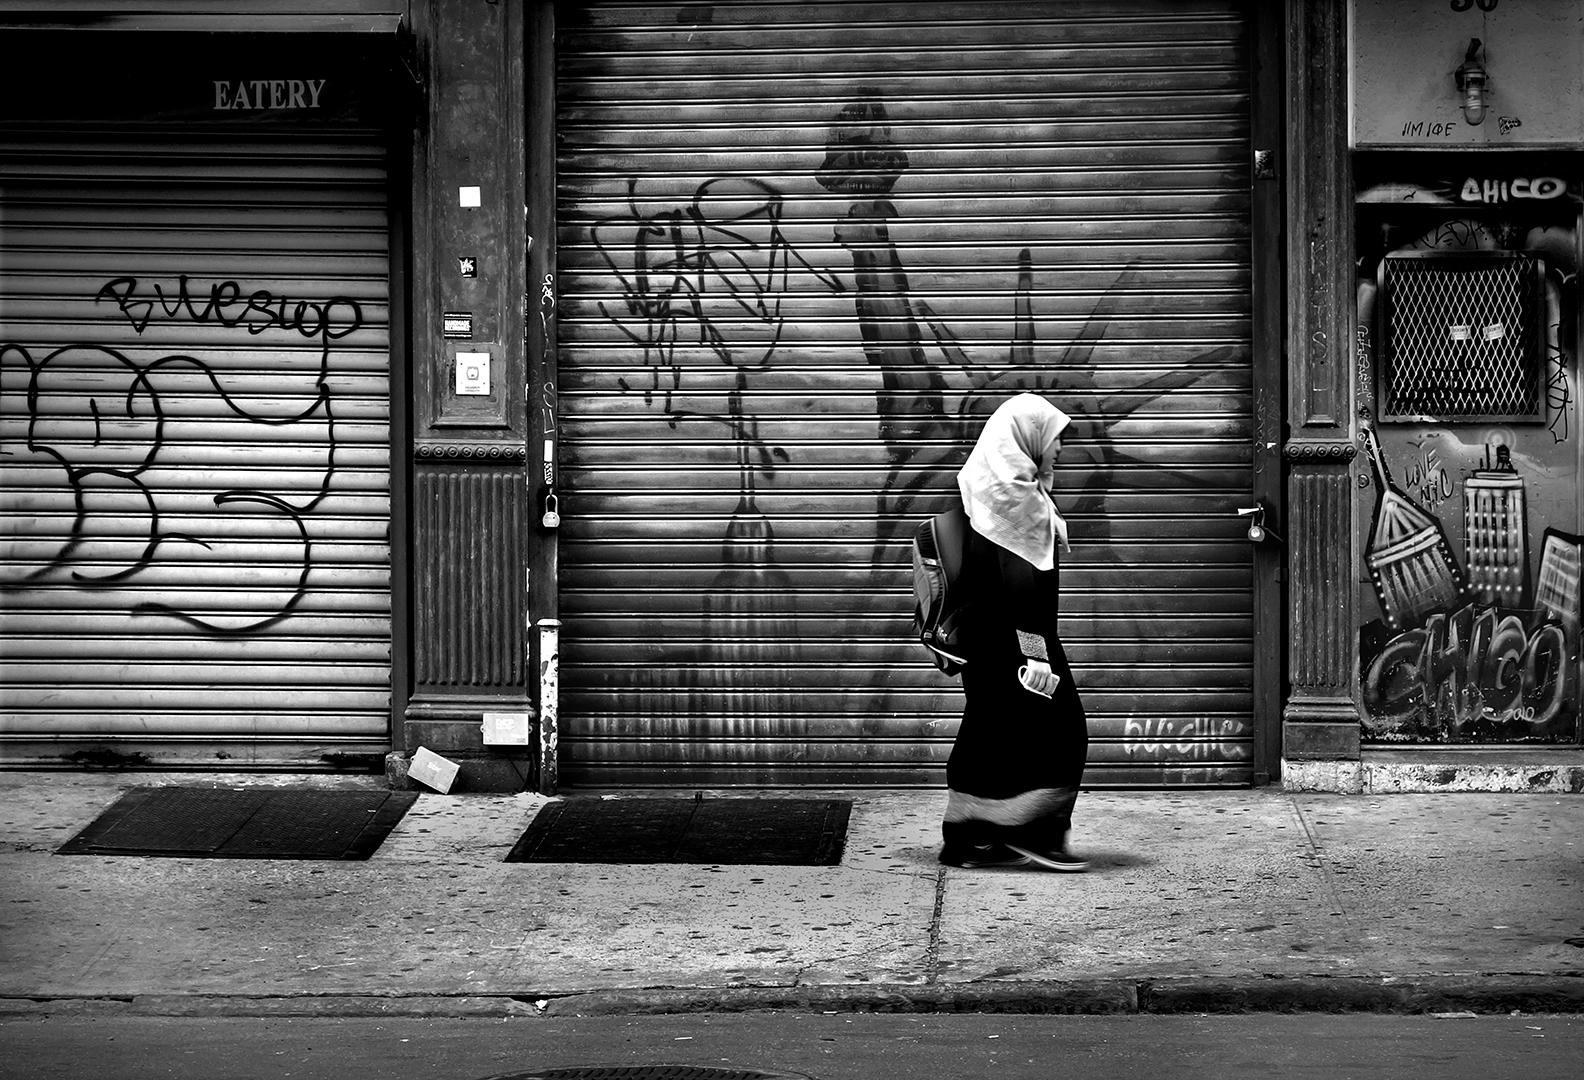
(938, 594)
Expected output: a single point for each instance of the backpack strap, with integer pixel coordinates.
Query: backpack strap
(951, 542)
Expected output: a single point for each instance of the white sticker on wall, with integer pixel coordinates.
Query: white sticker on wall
(473, 374)
(470, 197)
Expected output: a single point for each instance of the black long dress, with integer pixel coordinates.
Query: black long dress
(1016, 766)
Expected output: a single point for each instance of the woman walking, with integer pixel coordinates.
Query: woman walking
(1018, 760)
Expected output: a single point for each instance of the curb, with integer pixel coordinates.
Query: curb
(1432, 994)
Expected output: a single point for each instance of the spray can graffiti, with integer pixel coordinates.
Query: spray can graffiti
(1409, 559)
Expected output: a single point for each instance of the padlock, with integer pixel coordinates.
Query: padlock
(1256, 516)
(551, 518)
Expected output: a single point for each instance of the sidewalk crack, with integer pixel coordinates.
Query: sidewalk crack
(1318, 861)
(932, 950)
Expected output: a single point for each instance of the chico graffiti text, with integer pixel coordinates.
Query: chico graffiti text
(1460, 669)
(1476, 190)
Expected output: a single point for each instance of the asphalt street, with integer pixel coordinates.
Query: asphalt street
(824, 1047)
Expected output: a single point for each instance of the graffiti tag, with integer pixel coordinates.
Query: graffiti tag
(1469, 666)
(1418, 129)
(228, 305)
(1427, 479)
(106, 422)
(1519, 187)
(1559, 395)
(1199, 738)
(684, 272)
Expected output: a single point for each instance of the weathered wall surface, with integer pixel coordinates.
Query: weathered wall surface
(1467, 492)
(1406, 51)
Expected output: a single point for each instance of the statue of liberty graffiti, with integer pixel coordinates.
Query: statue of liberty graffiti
(921, 436)
(861, 161)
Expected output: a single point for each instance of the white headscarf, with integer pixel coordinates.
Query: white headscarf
(1007, 479)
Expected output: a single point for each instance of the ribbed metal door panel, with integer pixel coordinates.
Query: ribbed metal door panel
(196, 485)
(804, 250)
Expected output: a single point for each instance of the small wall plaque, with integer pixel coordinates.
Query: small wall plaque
(457, 324)
(473, 374)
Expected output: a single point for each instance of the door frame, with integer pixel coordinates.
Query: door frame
(543, 604)
(1268, 300)
(1268, 372)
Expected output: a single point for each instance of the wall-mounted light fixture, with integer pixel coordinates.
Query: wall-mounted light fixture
(1473, 81)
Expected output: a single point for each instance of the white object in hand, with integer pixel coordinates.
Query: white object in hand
(1025, 678)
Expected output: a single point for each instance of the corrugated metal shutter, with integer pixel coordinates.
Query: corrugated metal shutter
(196, 466)
(804, 250)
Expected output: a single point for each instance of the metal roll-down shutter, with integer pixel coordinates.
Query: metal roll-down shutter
(196, 465)
(804, 250)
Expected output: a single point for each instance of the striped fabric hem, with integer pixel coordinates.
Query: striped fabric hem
(1019, 809)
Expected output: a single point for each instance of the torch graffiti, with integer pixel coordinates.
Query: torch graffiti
(861, 161)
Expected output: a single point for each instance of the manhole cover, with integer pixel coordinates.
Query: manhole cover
(648, 1072)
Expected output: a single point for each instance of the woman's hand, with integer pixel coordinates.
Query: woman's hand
(1037, 677)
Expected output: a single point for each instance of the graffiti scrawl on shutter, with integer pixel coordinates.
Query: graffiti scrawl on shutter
(106, 420)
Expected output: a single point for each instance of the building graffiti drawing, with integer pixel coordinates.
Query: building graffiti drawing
(1458, 658)
(730, 607)
(1470, 556)
(1557, 595)
(1471, 553)
(714, 273)
(1496, 527)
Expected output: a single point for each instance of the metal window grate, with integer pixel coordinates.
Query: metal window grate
(1462, 336)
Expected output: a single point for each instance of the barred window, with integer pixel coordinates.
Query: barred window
(1462, 336)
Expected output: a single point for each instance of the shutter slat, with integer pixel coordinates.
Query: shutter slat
(196, 550)
(1051, 196)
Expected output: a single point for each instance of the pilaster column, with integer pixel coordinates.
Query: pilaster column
(1320, 719)
(470, 519)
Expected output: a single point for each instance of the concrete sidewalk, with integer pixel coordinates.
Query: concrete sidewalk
(1198, 901)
